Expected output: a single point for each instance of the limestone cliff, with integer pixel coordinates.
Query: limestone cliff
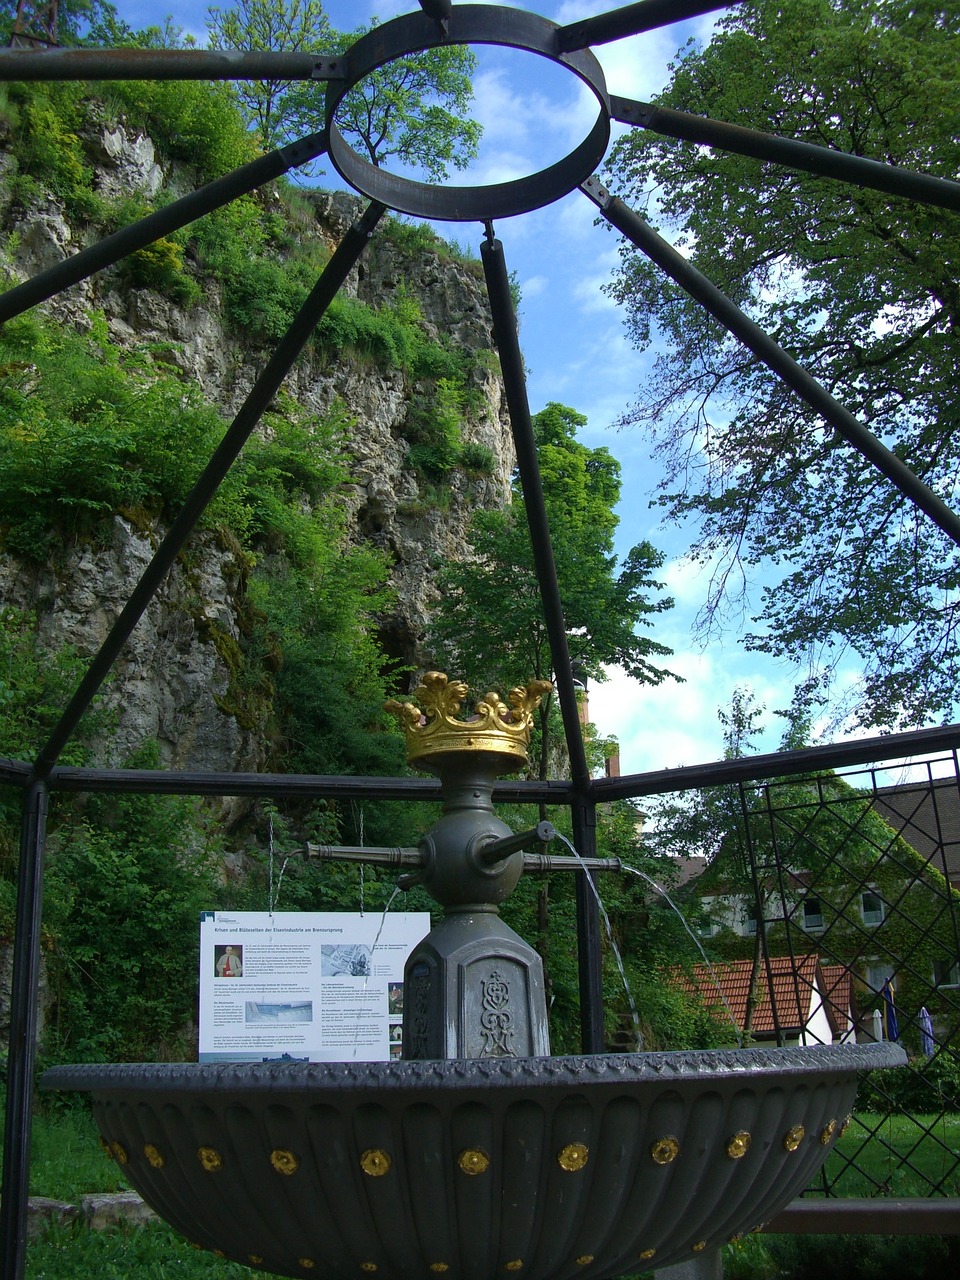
(172, 677)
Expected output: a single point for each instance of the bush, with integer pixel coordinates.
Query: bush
(50, 156)
(923, 1087)
(477, 459)
(433, 427)
(160, 266)
(862, 1257)
(126, 881)
(87, 430)
(193, 121)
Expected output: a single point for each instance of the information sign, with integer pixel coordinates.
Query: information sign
(307, 986)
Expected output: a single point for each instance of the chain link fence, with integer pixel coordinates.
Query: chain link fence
(827, 905)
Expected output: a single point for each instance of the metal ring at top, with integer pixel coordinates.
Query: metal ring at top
(470, 24)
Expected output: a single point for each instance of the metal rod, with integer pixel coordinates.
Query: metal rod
(351, 786)
(544, 863)
(773, 356)
(945, 738)
(263, 391)
(839, 755)
(24, 1004)
(16, 772)
(163, 222)
(515, 386)
(165, 64)
(825, 161)
(498, 848)
(633, 19)
(584, 816)
(374, 855)
(879, 1217)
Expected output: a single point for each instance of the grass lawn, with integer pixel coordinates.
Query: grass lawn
(896, 1156)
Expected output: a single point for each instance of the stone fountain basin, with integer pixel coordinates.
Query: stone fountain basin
(479, 1168)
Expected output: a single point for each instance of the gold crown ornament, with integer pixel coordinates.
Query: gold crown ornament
(431, 730)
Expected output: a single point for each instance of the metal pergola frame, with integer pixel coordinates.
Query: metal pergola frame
(435, 24)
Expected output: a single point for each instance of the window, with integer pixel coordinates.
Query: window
(877, 975)
(946, 973)
(812, 913)
(871, 906)
(749, 926)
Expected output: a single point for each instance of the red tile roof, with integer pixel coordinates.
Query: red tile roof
(792, 990)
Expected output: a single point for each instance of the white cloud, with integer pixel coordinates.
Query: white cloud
(673, 725)
(534, 286)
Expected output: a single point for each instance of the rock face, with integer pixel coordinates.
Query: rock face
(170, 683)
(171, 678)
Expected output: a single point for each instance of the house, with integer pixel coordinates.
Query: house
(857, 877)
(806, 1003)
(927, 815)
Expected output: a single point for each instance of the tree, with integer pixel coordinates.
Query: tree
(490, 627)
(278, 26)
(861, 288)
(73, 18)
(414, 110)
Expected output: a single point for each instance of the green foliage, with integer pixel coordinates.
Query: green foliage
(44, 139)
(414, 110)
(604, 603)
(859, 287)
(433, 429)
(264, 270)
(271, 26)
(415, 238)
(87, 430)
(126, 880)
(929, 1091)
(160, 266)
(811, 1257)
(152, 1252)
(66, 1159)
(476, 459)
(193, 121)
(34, 689)
(330, 688)
(645, 931)
(262, 299)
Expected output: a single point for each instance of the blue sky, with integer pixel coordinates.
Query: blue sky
(577, 351)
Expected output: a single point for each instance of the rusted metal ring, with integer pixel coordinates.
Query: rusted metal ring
(471, 24)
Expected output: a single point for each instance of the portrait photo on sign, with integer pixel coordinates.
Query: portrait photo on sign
(228, 960)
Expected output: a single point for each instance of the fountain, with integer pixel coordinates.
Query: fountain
(476, 1154)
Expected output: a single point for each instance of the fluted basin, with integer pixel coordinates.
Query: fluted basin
(480, 1168)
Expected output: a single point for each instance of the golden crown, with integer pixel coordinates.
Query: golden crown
(495, 727)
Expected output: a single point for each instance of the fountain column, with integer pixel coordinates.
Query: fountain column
(472, 988)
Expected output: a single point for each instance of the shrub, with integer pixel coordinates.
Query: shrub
(160, 266)
(125, 884)
(48, 150)
(923, 1087)
(193, 121)
(477, 459)
(860, 1257)
(87, 430)
(433, 427)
